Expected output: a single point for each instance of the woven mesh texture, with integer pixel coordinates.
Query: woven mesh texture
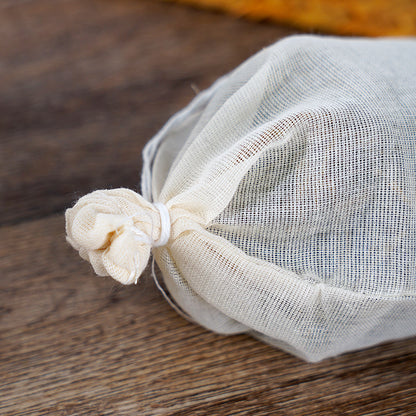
(291, 184)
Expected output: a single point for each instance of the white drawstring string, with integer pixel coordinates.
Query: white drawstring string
(164, 225)
(173, 305)
(142, 237)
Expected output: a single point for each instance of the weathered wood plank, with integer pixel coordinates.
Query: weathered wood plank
(84, 84)
(76, 344)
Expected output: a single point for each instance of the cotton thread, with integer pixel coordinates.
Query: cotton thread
(164, 225)
(142, 237)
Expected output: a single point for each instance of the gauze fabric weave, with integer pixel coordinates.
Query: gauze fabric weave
(291, 191)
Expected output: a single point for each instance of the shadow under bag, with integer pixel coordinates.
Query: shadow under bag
(281, 201)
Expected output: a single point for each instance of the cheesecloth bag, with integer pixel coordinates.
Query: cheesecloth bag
(282, 201)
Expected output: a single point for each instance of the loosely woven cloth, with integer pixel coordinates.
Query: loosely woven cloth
(282, 201)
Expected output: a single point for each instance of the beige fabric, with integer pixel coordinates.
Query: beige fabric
(291, 191)
(114, 230)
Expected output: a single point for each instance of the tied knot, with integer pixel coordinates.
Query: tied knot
(115, 230)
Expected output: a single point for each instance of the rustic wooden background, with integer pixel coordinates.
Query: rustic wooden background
(83, 85)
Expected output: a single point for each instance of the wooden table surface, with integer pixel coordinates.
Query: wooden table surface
(83, 85)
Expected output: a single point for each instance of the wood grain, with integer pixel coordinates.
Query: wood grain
(84, 84)
(73, 343)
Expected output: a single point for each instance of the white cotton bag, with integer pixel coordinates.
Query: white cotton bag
(282, 201)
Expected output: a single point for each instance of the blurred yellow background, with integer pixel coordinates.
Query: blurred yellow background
(344, 17)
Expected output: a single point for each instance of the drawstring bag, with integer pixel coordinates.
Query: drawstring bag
(282, 201)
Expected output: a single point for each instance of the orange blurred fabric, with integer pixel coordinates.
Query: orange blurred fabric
(344, 17)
